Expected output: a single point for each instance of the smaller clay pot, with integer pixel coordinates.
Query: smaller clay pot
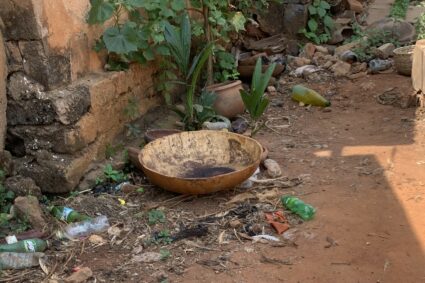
(248, 71)
(229, 101)
(151, 135)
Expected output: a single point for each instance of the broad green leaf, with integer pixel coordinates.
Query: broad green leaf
(321, 12)
(177, 5)
(135, 3)
(328, 21)
(238, 21)
(100, 11)
(167, 13)
(121, 40)
(312, 25)
(324, 5)
(148, 53)
(261, 107)
(163, 50)
(138, 57)
(312, 10)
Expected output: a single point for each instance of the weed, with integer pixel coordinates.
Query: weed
(320, 24)
(113, 175)
(140, 190)
(132, 108)
(164, 254)
(163, 237)
(420, 26)
(155, 216)
(399, 9)
(133, 130)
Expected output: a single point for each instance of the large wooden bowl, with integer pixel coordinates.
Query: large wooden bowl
(200, 162)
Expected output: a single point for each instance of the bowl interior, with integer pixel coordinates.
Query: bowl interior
(200, 154)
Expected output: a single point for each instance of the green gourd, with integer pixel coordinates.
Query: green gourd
(308, 96)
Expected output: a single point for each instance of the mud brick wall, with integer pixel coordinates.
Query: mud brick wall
(62, 108)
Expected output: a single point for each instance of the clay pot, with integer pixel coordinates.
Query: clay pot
(229, 101)
(247, 71)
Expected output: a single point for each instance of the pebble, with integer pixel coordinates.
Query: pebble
(273, 168)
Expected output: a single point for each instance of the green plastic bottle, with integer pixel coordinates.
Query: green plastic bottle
(308, 96)
(297, 206)
(25, 246)
(67, 214)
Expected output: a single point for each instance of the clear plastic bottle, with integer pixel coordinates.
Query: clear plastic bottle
(11, 260)
(85, 228)
(25, 246)
(297, 206)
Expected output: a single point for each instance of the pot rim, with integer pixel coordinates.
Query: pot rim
(224, 85)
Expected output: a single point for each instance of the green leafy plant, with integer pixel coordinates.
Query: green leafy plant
(368, 42)
(164, 254)
(155, 216)
(420, 26)
(114, 175)
(399, 9)
(254, 100)
(179, 42)
(320, 23)
(163, 237)
(225, 67)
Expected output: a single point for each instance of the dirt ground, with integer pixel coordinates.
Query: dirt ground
(360, 163)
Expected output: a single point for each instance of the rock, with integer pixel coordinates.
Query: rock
(295, 18)
(358, 67)
(239, 126)
(299, 62)
(14, 57)
(348, 56)
(28, 208)
(270, 19)
(70, 104)
(319, 58)
(79, 276)
(355, 6)
(3, 97)
(22, 87)
(322, 49)
(341, 69)
(386, 50)
(6, 163)
(22, 186)
(147, 257)
(306, 70)
(308, 51)
(400, 30)
(20, 20)
(292, 48)
(339, 34)
(273, 168)
(30, 112)
(272, 90)
(349, 46)
(272, 81)
(357, 75)
(328, 64)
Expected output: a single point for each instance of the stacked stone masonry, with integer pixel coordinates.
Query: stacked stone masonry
(62, 108)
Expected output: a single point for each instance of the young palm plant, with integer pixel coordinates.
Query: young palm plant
(179, 42)
(255, 101)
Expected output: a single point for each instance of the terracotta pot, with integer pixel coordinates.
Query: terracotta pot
(247, 71)
(229, 102)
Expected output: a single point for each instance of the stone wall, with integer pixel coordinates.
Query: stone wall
(63, 109)
(3, 99)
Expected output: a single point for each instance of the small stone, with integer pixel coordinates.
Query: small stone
(358, 67)
(239, 126)
(308, 51)
(28, 208)
(96, 240)
(300, 61)
(22, 186)
(322, 49)
(341, 69)
(386, 50)
(271, 90)
(147, 257)
(355, 6)
(328, 64)
(79, 276)
(273, 168)
(349, 46)
(272, 81)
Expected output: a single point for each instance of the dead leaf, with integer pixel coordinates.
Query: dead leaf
(243, 197)
(114, 231)
(96, 240)
(266, 195)
(79, 276)
(221, 238)
(43, 265)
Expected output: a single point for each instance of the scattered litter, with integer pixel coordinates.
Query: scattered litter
(11, 239)
(297, 206)
(379, 65)
(25, 246)
(190, 232)
(308, 96)
(77, 230)
(277, 220)
(12, 260)
(67, 214)
(256, 238)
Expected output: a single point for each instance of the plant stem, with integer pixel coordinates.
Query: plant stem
(257, 127)
(208, 36)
